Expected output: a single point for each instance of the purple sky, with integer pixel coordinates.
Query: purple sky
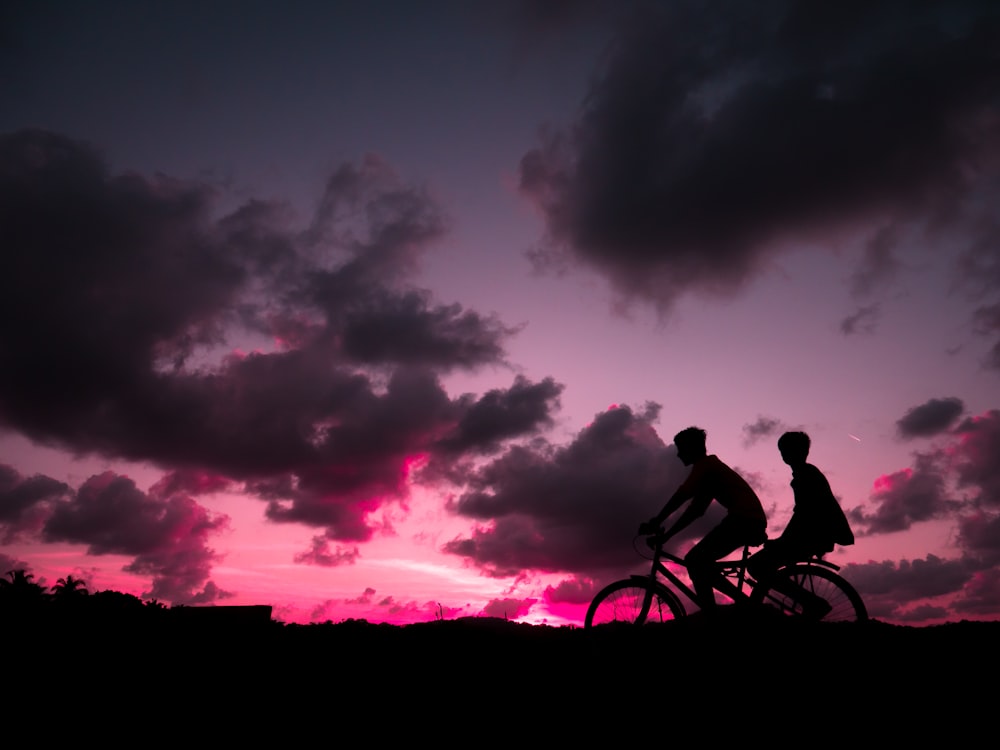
(392, 310)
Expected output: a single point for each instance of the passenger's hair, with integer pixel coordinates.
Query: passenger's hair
(691, 436)
(794, 442)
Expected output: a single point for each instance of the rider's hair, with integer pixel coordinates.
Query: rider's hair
(794, 442)
(692, 436)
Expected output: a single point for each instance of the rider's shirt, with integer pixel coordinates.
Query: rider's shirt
(818, 520)
(711, 479)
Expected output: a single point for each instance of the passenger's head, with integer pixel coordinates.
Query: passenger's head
(690, 444)
(794, 447)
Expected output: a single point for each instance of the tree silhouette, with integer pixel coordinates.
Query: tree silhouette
(20, 591)
(70, 588)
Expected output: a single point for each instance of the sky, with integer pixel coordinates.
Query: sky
(390, 310)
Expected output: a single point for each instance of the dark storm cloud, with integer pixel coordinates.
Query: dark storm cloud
(166, 535)
(575, 508)
(25, 502)
(125, 302)
(930, 418)
(719, 128)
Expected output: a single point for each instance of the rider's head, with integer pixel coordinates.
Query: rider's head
(794, 447)
(690, 444)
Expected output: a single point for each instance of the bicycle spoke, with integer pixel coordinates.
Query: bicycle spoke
(632, 601)
(810, 590)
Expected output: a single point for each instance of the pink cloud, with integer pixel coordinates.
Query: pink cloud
(166, 536)
(509, 609)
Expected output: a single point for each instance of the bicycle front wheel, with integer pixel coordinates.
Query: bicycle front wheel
(635, 601)
(827, 597)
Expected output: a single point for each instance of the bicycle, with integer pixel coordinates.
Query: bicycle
(646, 598)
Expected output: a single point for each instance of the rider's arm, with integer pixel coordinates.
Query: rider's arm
(695, 510)
(684, 493)
(672, 504)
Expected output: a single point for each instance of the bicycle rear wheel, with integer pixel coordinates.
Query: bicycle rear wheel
(820, 584)
(633, 601)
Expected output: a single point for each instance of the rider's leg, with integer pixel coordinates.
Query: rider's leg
(763, 563)
(725, 538)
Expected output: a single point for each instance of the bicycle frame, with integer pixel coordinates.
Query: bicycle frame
(810, 588)
(727, 569)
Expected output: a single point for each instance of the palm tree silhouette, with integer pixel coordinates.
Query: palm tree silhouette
(20, 590)
(70, 587)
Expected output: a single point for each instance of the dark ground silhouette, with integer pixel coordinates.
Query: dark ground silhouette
(846, 682)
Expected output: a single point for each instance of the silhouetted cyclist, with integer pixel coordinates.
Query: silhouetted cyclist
(710, 479)
(817, 523)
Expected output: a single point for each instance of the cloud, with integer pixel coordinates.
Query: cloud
(987, 323)
(319, 553)
(979, 535)
(166, 536)
(571, 509)
(715, 131)
(385, 609)
(909, 579)
(930, 418)
(499, 415)
(908, 496)
(902, 590)
(980, 595)
(508, 609)
(862, 320)
(974, 458)
(25, 502)
(932, 588)
(241, 349)
(191, 482)
(879, 264)
(957, 482)
(571, 591)
(367, 458)
(763, 428)
(9, 564)
(960, 476)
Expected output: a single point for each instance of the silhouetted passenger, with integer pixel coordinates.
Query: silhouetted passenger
(710, 479)
(818, 522)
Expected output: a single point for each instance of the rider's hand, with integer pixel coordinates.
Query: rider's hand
(649, 527)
